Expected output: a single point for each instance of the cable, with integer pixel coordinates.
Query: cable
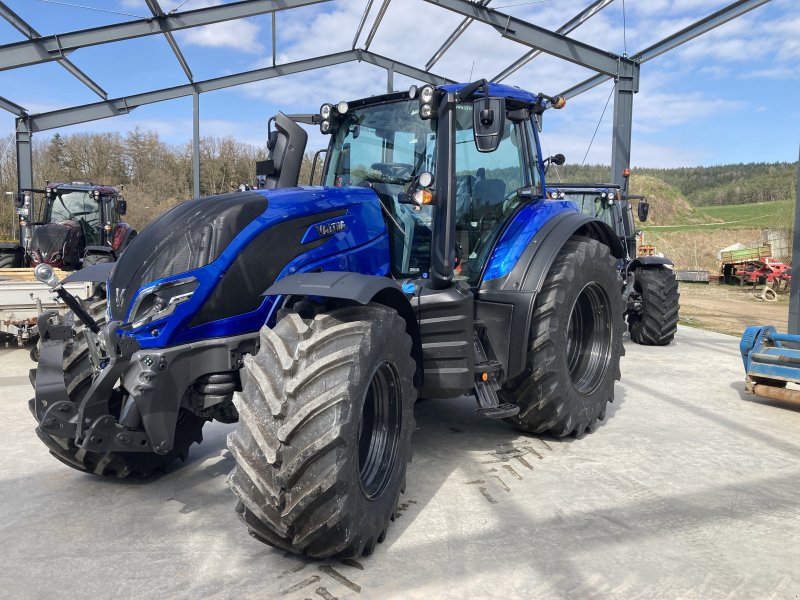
(598, 127)
(113, 12)
(180, 6)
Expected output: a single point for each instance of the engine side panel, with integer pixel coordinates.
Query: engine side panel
(302, 229)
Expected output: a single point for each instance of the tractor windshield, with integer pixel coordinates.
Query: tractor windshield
(384, 147)
(76, 206)
(591, 203)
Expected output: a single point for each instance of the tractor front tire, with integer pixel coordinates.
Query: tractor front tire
(575, 344)
(325, 423)
(8, 260)
(657, 323)
(78, 374)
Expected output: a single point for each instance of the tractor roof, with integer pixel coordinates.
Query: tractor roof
(84, 186)
(498, 90)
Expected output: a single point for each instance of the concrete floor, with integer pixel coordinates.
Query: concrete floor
(689, 490)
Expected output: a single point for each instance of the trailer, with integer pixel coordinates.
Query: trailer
(23, 298)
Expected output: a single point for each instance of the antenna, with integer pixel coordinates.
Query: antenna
(472, 68)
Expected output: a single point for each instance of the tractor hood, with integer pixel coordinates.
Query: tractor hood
(206, 263)
(48, 240)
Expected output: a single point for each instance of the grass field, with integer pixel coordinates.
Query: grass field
(778, 214)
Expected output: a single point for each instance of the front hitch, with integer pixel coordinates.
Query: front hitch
(86, 421)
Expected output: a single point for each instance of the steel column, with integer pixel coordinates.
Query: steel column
(24, 154)
(390, 79)
(626, 86)
(794, 293)
(196, 144)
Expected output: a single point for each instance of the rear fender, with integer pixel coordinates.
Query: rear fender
(649, 262)
(356, 287)
(505, 304)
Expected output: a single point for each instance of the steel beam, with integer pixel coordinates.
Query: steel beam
(402, 68)
(119, 106)
(53, 47)
(155, 8)
(673, 41)
(13, 107)
(361, 24)
(390, 80)
(571, 25)
(29, 32)
(24, 154)
(538, 38)
(196, 145)
(376, 24)
(794, 293)
(462, 27)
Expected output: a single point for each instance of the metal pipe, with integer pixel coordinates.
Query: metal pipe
(361, 24)
(377, 23)
(462, 27)
(774, 393)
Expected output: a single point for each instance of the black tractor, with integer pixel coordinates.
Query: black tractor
(78, 224)
(649, 287)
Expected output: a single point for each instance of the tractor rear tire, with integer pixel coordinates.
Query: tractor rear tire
(8, 260)
(575, 344)
(78, 377)
(658, 321)
(325, 423)
(96, 258)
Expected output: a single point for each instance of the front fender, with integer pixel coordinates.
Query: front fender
(650, 262)
(507, 301)
(357, 287)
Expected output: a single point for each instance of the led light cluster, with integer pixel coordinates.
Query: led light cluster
(426, 95)
(327, 114)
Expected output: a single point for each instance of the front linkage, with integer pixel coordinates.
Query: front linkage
(108, 406)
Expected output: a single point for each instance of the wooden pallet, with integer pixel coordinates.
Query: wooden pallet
(26, 274)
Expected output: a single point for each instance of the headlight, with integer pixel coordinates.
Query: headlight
(342, 107)
(56, 256)
(325, 111)
(426, 94)
(160, 300)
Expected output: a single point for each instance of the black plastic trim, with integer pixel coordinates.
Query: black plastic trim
(650, 261)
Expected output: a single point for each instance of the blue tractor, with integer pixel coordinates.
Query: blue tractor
(429, 263)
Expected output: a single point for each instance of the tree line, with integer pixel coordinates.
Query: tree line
(156, 175)
(708, 186)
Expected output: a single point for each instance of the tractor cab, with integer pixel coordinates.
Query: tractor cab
(466, 174)
(73, 217)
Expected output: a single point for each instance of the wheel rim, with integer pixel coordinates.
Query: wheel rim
(588, 339)
(379, 431)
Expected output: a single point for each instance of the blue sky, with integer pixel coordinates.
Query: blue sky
(732, 95)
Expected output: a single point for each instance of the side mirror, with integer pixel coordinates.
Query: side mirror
(122, 206)
(489, 120)
(643, 210)
(19, 200)
(559, 159)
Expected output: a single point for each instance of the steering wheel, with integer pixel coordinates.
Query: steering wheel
(489, 221)
(394, 170)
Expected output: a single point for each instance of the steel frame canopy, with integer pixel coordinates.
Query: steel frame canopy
(624, 70)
